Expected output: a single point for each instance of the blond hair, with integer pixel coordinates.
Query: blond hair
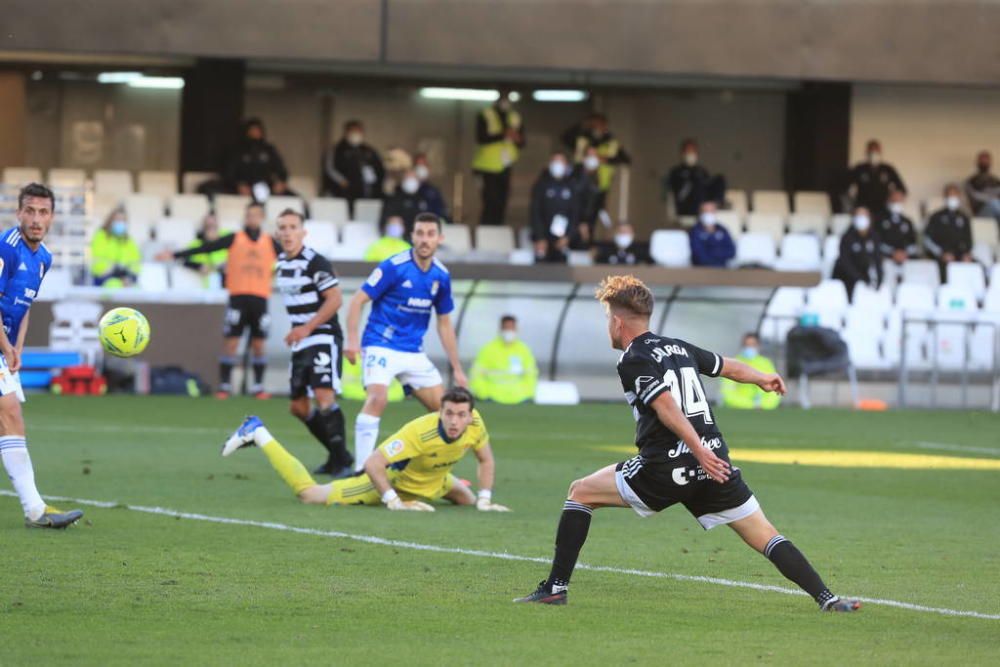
(625, 293)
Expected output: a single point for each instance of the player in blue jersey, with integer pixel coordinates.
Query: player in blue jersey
(403, 290)
(24, 261)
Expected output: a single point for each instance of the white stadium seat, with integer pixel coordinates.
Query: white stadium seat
(67, 178)
(754, 249)
(113, 182)
(986, 230)
(160, 183)
(184, 279)
(829, 302)
(766, 223)
(278, 203)
(967, 275)
(786, 303)
(799, 252)
(953, 303)
(359, 234)
(192, 179)
(670, 247)
(732, 221)
(865, 348)
(321, 235)
(368, 210)
(839, 222)
(492, 238)
(303, 186)
(770, 201)
(983, 347)
(143, 208)
(815, 203)
(153, 277)
(737, 201)
(831, 251)
(21, 176)
(331, 209)
(176, 233)
(983, 253)
(457, 238)
(190, 207)
(921, 271)
(230, 209)
(807, 223)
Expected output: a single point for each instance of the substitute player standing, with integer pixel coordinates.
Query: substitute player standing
(24, 261)
(312, 296)
(403, 290)
(682, 455)
(409, 470)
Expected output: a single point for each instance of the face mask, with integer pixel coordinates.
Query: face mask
(749, 352)
(707, 218)
(119, 228)
(861, 222)
(355, 138)
(557, 169)
(952, 203)
(690, 159)
(508, 335)
(394, 230)
(623, 241)
(410, 185)
(875, 158)
(422, 172)
(591, 162)
(896, 207)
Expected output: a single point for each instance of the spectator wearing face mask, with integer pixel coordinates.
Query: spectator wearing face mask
(499, 139)
(948, 235)
(255, 168)
(353, 169)
(870, 182)
(624, 250)
(750, 396)
(691, 184)
(505, 370)
(115, 258)
(405, 202)
(391, 243)
(594, 132)
(711, 244)
(591, 199)
(983, 188)
(554, 210)
(897, 234)
(429, 192)
(860, 259)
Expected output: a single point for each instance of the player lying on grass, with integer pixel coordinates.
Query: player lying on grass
(682, 455)
(406, 472)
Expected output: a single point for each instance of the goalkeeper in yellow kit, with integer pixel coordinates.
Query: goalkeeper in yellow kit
(407, 472)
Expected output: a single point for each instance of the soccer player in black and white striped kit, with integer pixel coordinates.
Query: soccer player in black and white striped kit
(310, 289)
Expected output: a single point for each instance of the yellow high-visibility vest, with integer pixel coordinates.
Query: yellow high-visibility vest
(496, 156)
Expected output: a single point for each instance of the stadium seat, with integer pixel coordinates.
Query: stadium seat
(839, 222)
(774, 202)
(785, 306)
(322, 236)
(74, 327)
(359, 234)
(21, 176)
(230, 209)
(113, 182)
(278, 203)
(556, 393)
(192, 179)
(670, 247)
(829, 302)
(160, 183)
(811, 203)
(176, 233)
(877, 303)
(153, 277)
(184, 279)
(754, 249)
(190, 207)
(995, 276)
(492, 238)
(892, 273)
(737, 201)
(56, 282)
(732, 221)
(986, 230)
(766, 223)
(368, 210)
(983, 346)
(983, 254)
(921, 271)
(67, 178)
(143, 208)
(864, 348)
(967, 275)
(521, 257)
(579, 258)
(953, 303)
(831, 251)
(331, 209)
(807, 223)
(523, 236)
(799, 252)
(457, 238)
(303, 186)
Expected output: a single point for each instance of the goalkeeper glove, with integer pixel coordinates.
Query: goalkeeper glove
(394, 502)
(484, 503)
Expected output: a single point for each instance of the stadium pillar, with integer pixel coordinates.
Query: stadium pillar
(817, 137)
(13, 118)
(211, 112)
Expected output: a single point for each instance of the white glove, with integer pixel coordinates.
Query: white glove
(484, 503)
(394, 502)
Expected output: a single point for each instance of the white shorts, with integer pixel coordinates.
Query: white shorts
(413, 369)
(10, 383)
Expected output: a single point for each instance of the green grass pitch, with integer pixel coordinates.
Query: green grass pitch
(127, 587)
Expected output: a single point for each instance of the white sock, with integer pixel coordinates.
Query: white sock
(14, 451)
(262, 436)
(365, 437)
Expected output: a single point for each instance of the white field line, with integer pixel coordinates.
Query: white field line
(945, 446)
(499, 555)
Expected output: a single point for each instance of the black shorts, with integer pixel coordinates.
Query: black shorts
(246, 312)
(650, 487)
(316, 366)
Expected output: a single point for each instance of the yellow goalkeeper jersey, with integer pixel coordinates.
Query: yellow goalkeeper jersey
(423, 458)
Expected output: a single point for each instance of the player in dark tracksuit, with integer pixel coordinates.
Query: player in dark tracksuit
(683, 458)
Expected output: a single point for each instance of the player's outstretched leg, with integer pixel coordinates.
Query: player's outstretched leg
(17, 462)
(253, 433)
(758, 533)
(367, 422)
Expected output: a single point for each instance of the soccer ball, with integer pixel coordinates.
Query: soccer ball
(124, 332)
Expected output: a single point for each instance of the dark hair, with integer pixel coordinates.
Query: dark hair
(507, 318)
(428, 217)
(255, 204)
(751, 334)
(253, 122)
(458, 395)
(292, 211)
(354, 122)
(688, 142)
(35, 190)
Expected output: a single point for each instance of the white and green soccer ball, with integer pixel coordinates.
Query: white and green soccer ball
(124, 332)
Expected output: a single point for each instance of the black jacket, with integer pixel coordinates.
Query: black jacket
(690, 186)
(637, 253)
(255, 161)
(859, 260)
(948, 231)
(588, 193)
(873, 185)
(549, 198)
(405, 206)
(344, 162)
(896, 232)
